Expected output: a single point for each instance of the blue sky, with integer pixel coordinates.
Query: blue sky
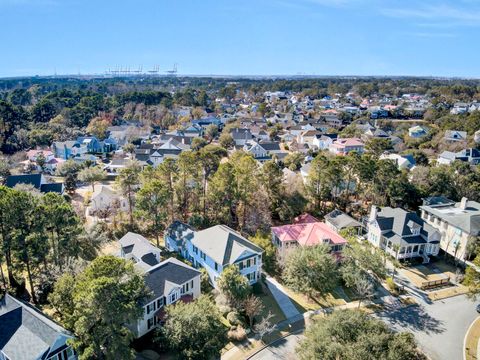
(242, 37)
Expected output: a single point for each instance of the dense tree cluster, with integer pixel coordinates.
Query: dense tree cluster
(348, 334)
(40, 235)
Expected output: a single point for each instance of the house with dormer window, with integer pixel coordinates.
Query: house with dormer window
(216, 248)
(402, 234)
(169, 280)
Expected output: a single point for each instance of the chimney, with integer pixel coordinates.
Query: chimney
(463, 203)
(373, 213)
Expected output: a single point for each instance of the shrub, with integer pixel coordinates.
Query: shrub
(234, 318)
(391, 284)
(237, 334)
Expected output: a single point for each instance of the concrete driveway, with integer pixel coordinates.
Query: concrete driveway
(281, 297)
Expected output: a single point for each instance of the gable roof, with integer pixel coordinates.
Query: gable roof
(341, 220)
(170, 273)
(143, 251)
(26, 333)
(223, 244)
(30, 179)
(398, 220)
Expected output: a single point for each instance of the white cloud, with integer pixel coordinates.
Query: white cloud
(436, 13)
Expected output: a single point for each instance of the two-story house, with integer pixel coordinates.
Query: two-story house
(402, 234)
(216, 248)
(169, 280)
(306, 230)
(68, 149)
(457, 223)
(347, 145)
(27, 334)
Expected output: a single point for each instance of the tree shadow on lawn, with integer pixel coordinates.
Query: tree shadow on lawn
(413, 318)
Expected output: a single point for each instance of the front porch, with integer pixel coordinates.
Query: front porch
(408, 251)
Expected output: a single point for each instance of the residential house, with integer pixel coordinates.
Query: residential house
(471, 155)
(257, 151)
(116, 165)
(216, 248)
(27, 334)
(205, 122)
(417, 132)
(459, 108)
(308, 137)
(193, 130)
(402, 234)
(347, 145)
(142, 252)
(169, 280)
(106, 199)
(306, 230)
(323, 141)
(177, 235)
(38, 181)
(456, 223)
(337, 220)
(454, 135)
(68, 149)
(404, 162)
(241, 136)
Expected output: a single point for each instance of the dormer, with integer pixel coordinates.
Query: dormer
(414, 227)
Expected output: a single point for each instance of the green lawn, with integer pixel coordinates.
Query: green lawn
(269, 304)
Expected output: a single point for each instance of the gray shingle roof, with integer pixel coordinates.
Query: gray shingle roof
(396, 220)
(341, 220)
(168, 271)
(143, 251)
(223, 244)
(25, 333)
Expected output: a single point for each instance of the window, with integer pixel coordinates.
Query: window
(149, 323)
(216, 267)
(148, 309)
(159, 303)
(195, 249)
(240, 265)
(255, 260)
(173, 297)
(249, 263)
(202, 255)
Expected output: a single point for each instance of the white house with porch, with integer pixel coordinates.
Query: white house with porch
(402, 234)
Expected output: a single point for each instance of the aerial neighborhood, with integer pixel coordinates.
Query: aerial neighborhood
(153, 217)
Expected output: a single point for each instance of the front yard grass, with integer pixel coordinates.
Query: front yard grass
(303, 303)
(269, 304)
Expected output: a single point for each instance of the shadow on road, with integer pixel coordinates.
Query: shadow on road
(414, 318)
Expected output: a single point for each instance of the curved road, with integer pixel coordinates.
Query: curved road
(439, 329)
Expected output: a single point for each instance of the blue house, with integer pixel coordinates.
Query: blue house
(204, 122)
(214, 249)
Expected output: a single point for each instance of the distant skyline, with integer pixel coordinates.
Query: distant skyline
(251, 37)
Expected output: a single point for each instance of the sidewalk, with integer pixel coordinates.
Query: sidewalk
(298, 322)
(281, 297)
